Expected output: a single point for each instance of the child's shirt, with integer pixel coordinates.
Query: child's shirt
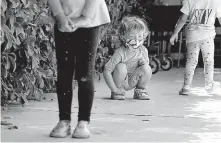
(95, 9)
(128, 57)
(202, 15)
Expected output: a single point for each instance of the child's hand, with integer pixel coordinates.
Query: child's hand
(72, 24)
(141, 62)
(63, 23)
(173, 38)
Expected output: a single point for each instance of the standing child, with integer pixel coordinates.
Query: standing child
(129, 67)
(200, 34)
(76, 32)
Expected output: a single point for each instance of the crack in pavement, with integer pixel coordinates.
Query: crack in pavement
(118, 114)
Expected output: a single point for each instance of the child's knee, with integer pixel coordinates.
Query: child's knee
(121, 68)
(146, 69)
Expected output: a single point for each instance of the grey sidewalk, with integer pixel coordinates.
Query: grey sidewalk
(167, 117)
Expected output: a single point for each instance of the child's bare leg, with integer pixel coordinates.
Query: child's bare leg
(145, 77)
(141, 77)
(119, 75)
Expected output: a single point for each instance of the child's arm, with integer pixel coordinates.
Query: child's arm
(55, 6)
(146, 56)
(145, 59)
(181, 22)
(109, 68)
(87, 14)
(109, 80)
(110, 83)
(62, 20)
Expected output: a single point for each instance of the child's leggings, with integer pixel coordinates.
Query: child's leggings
(207, 48)
(75, 53)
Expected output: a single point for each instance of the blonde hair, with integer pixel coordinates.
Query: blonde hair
(133, 23)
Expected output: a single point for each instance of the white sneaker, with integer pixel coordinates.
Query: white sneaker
(214, 86)
(81, 131)
(117, 96)
(184, 91)
(62, 129)
(141, 94)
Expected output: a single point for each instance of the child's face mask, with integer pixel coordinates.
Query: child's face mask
(134, 44)
(134, 40)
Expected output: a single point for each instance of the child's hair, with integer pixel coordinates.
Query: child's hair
(132, 23)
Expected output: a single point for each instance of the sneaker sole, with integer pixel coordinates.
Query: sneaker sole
(118, 98)
(78, 137)
(180, 93)
(144, 98)
(59, 135)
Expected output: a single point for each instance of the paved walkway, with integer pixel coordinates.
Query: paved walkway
(167, 117)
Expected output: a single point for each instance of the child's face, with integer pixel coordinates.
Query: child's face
(134, 39)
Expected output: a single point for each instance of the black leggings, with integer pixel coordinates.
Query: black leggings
(75, 53)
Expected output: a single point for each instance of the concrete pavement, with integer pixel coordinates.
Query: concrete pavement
(167, 117)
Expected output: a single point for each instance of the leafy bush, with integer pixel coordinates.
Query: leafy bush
(27, 50)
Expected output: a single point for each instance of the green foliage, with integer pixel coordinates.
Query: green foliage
(27, 50)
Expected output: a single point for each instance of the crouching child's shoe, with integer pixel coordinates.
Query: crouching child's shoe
(141, 94)
(115, 96)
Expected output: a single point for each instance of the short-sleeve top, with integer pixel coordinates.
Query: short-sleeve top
(202, 15)
(95, 9)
